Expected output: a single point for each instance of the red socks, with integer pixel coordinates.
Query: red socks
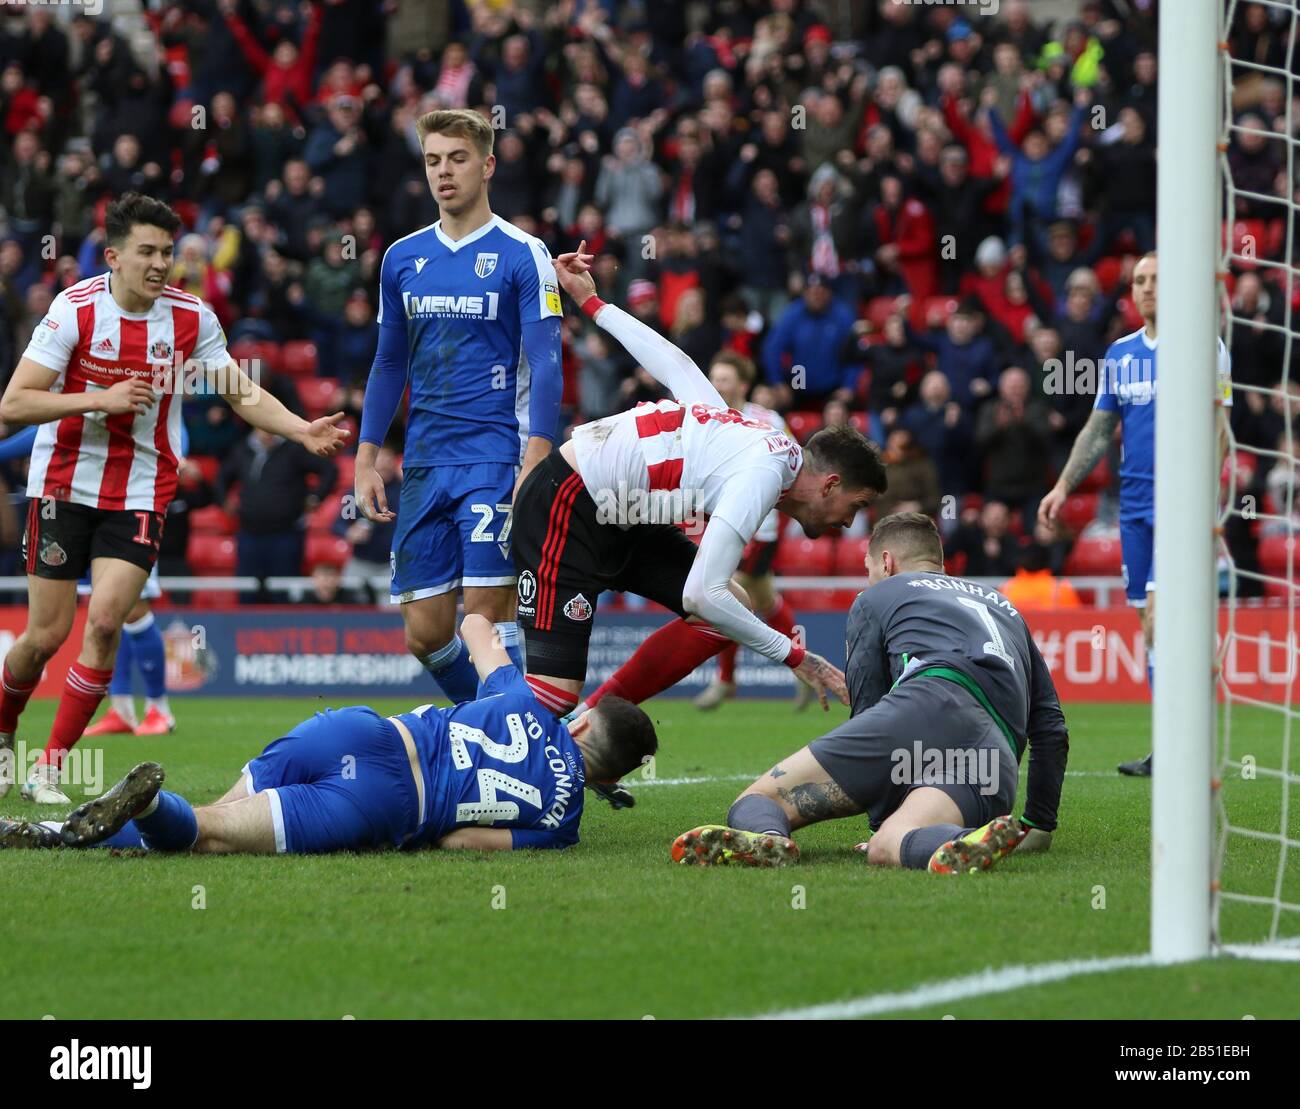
(84, 690)
(727, 663)
(662, 661)
(557, 700)
(13, 699)
(780, 617)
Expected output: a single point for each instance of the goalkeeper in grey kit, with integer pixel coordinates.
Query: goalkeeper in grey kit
(948, 690)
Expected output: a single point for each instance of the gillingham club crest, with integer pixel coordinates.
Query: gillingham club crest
(484, 264)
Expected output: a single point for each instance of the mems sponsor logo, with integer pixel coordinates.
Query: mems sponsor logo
(461, 305)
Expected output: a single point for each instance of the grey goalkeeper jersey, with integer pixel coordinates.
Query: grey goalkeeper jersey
(916, 622)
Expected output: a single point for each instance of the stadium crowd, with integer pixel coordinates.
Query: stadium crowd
(921, 219)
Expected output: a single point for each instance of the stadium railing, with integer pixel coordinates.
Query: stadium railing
(1102, 587)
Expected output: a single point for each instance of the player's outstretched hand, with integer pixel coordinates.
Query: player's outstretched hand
(369, 490)
(135, 394)
(573, 273)
(822, 678)
(323, 437)
(1049, 508)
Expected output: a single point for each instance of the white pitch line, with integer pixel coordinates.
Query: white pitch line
(995, 980)
(639, 783)
(990, 981)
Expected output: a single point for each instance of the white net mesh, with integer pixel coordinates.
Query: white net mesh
(1257, 864)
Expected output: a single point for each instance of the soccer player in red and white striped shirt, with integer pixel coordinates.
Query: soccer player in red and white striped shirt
(101, 376)
(600, 513)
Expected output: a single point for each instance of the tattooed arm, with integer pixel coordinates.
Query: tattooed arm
(1093, 442)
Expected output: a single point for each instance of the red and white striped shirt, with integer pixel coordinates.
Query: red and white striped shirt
(128, 461)
(686, 459)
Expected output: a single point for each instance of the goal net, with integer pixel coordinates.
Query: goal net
(1257, 800)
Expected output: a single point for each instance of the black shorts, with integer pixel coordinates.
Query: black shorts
(61, 538)
(566, 558)
(926, 731)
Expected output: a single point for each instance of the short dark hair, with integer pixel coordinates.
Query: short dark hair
(133, 208)
(622, 737)
(911, 536)
(844, 450)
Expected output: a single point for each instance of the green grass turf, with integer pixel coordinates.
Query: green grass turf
(611, 928)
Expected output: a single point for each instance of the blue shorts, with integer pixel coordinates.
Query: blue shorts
(453, 529)
(1137, 546)
(341, 781)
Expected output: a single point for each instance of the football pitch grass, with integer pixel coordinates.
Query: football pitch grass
(612, 928)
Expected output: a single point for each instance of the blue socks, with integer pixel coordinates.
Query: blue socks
(453, 671)
(170, 826)
(508, 633)
(127, 837)
(1151, 676)
(920, 843)
(150, 654)
(121, 680)
(756, 813)
(141, 645)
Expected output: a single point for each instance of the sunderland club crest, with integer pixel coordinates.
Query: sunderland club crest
(52, 554)
(578, 609)
(161, 351)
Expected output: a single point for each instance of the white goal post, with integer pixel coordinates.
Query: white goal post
(1189, 209)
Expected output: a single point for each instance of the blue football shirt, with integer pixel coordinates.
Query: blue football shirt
(462, 306)
(1128, 386)
(502, 761)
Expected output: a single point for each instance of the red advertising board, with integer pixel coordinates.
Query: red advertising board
(1097, 654)
(13, 619)
(1093, 654)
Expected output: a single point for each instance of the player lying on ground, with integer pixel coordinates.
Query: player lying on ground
(101, 377)
(602, 513)
(493, 774)
(947, 689)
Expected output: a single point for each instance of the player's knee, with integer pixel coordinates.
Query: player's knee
(44, 642)
(101, 627)
(424, 641)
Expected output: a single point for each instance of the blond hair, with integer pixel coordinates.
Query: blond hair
(460, 123)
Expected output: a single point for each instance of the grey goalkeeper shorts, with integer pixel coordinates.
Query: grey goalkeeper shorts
(927, 731)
